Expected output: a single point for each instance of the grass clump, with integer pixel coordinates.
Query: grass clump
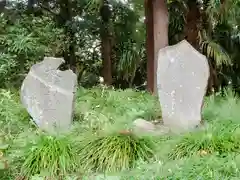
(221, 135)
(53, 156)
(220, 138)
(115, 152)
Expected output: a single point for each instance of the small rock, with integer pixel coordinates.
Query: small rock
(143, 125)
(161, 129)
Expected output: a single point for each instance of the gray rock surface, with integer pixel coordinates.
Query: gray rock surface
(48, 94)
(143, 127)
(182, 77)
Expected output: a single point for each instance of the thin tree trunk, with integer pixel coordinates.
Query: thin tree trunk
(193, 24)
(149, 44)
(65, 17)
(160, 19)
(72, 56)
(157, 37)
(3, 3)
(106, 43)
(106, 56)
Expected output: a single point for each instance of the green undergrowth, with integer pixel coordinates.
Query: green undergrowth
(100, 107)
(99, 143)
(196, 167)
(220, 137)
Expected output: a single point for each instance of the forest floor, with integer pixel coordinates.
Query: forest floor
(95, 147)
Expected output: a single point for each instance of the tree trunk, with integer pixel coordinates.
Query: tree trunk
(65, 20)
(157, 37)
(3, 3)
(149, 44)
(105, 13)
(160, 19)
(193, 24)
(30, 4)
(72, 56)
(106, 57)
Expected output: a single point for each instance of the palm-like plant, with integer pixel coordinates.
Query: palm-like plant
(215, 27)
(215, 37)
(216, 33)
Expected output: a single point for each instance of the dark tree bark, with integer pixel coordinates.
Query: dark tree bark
(157, 37)
(105, 35)
(3, 3)
(160, 19)
(30, 5)
(65, 19)
(193, 24)
(149, 44)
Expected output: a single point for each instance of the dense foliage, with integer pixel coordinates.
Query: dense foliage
(101, 38)
(107, 38)
(90, 149)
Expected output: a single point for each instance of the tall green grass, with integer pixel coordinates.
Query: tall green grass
(106, 112)
(53, 156)
(95, 146)
(115, 152)
(220, 138)
(100, 107)
(211, 152)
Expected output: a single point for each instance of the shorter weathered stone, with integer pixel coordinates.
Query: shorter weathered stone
(48, 94)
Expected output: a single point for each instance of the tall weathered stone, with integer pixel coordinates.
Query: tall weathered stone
(182, 78)
(48, 94)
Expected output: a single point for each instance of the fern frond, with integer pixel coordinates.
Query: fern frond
(214, 51)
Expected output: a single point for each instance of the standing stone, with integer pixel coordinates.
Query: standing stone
(182, 78)
(48, 94)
